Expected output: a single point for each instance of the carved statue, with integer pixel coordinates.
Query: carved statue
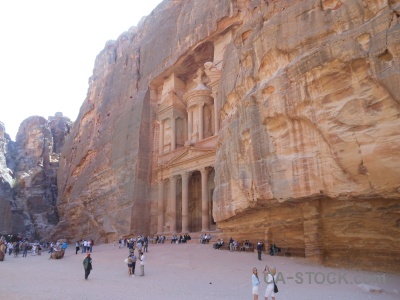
(200, 78)
(208, 127)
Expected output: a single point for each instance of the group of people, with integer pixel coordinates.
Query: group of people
(131, 262)
(235, 245)
(273, 249)
(86, 246)
(181, 239)
(218, 244)
(18, 247)
(205, 239)
(141, 243)
(159, 239)
(269, 278)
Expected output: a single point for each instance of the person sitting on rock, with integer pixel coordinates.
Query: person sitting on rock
(218, 244)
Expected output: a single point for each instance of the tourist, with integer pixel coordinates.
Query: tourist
(259, 249)
(130, 263)
(231, 243)
(235, 245)
(16, 249)
(3, 249)
(269, 278)
(64, 246)
(133, 256)
(33, 249)
(90, 244)
(139, 246)
(272, 250)
(24, 248)
(146, 244)
(87, 265)
(142, 261)
(218, 244)
(255, 283)
(85, 246)
(10, 247)
(77, 244)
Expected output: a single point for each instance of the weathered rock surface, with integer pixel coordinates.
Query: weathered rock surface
(6, 183)
(28, 170)
(308, 147)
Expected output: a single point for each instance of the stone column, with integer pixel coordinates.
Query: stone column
(185, 202)
(173, 133)
(205, 219)
(185, 131)
(161, 138)
(190, 125)
(172, 199)
(216, 120)
(160, 209)
(201, 121)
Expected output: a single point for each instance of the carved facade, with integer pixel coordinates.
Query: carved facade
(185, 147)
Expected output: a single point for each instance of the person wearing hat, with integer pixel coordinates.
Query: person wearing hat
(87, 265)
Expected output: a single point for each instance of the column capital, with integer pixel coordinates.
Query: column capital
(204, 171)
(186, 174)
(172, 178)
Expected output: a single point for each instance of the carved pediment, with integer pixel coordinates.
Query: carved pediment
(191, 153)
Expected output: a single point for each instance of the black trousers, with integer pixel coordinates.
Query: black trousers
(87, 272)
(259, 255)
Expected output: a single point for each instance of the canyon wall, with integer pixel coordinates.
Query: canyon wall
(307, 152)
(28, 174)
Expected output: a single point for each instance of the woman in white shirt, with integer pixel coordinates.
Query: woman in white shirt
(269, 278)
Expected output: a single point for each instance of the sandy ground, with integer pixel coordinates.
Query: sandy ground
(187, 271)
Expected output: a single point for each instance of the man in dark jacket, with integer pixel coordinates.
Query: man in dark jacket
(87, 265)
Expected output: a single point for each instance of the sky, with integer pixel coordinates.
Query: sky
(48, 49)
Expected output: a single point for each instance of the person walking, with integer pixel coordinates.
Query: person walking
(142, 259)
(255, 281)
(77, 244)
(269, 278)
(87, 265)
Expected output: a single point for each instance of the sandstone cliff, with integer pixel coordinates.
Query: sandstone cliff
(6, 183)
(309, 129)
(28, 172)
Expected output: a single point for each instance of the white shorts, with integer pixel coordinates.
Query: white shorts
(269, 292)
(255, 290)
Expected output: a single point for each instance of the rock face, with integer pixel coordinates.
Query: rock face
(29, 176)
(303, 148)
(6, 182)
